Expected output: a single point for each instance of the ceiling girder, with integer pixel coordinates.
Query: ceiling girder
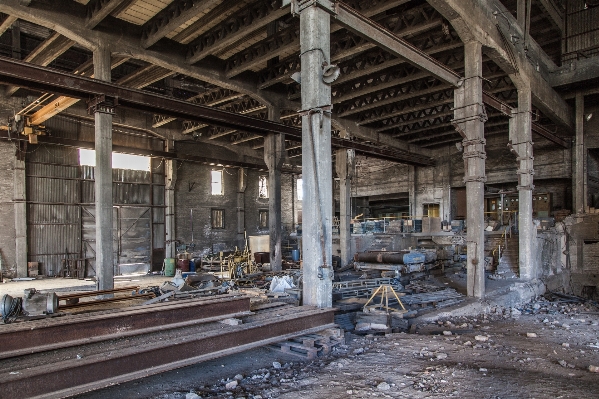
(48, 80)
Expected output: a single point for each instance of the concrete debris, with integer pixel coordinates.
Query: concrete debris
(231, 385)
(594, 369)
(192, 395)
(280, 284)
(531, 335)
(383, 386)
(481, 338)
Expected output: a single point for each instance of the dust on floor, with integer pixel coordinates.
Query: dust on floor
(544, 354)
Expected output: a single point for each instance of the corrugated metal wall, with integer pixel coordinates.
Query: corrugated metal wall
(582, 31)
(61, 221)
(53, 213)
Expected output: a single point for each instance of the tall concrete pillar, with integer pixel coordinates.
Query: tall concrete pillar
(241, 186)
(469, 117)
(103, 180)
(274, 155)
(20, 207)
(170, 172)
(317, 171)
(412, 190)
(579, 189)
(521, 139)
(345, 170)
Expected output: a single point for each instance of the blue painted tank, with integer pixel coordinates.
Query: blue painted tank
(414, 257)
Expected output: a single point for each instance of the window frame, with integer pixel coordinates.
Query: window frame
(213, 212)
(263, 182)
(260, 213)
(213, 182)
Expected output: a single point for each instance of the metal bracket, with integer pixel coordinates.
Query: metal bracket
(529, 187)
(475, 154)
(475, 179)
(481, 141)
(525, 171)
(297, 6)
(102, 104)
(525, 159)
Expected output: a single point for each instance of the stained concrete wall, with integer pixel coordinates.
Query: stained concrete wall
(194, 202)
(7, 211)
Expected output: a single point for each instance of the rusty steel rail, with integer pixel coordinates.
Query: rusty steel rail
(96, 293)
(106, 300)
(43, 335)
(70, 377)
(34, 77)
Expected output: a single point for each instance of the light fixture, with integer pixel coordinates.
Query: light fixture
(330, 73)
(459, 146)
(588, 117)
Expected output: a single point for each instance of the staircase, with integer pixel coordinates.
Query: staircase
(508, 262)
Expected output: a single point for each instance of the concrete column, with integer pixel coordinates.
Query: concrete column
(470, 117)
(20, 206)
(103, 181)
(521, 138)
(345, 170)
(317, 171)
(241, 186)
(274, 155)
(170, 172)
(578, 189)
(412, 190)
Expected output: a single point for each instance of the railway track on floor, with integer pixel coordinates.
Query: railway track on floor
(69, 355)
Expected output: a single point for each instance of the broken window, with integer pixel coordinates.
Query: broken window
(263, 187)
(217, 182)
(263, 218)
(119, 161)
(218, 218)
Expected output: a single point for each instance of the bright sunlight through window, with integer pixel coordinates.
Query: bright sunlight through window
(119, 161)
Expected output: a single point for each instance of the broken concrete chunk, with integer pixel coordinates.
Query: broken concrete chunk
(531, 335)
(481, 338)
(383, 386)
(231, 322)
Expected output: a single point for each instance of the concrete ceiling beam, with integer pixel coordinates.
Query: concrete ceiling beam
(97, 10)
(7, 23)
(528, 69)
(173, 16)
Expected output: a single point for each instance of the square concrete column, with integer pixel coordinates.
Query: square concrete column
(469, 118)
(274, 155)
(521, 142)
(316, 157)
(20, 207)
(170, 172)
(242, 174)
(345, 165)
(579, 158)
(103, 180)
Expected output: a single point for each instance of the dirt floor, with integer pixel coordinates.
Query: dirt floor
(541, 351)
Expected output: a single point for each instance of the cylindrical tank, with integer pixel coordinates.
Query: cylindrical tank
(295, 255)
(379, 257)
(414, 257)
(192, 265)
(169, 267)
(183, 264)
